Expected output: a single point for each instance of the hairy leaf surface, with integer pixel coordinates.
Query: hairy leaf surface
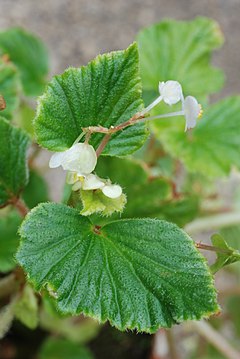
(106, 92)
(13, 165)
(138, 274)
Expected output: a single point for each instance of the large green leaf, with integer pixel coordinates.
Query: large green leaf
(106, 92)
(56, 348)
(9, 87)
(29, 54)
(181, 51)
(9, 241)
(212, 147)
(141, 274)
(13, 165)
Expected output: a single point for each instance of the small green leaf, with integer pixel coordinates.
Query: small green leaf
(225, 255)
(181, 50)
(24, 119)
(6, 317)
(95, 202)
(147, 197)
(79, 330)
(13, 164)
(26, 308)
(212, 147)
(106, 92)
(9, 241)
(142, 274)
(30, 56)
(56, 348)
(36, 190)
(9, 87)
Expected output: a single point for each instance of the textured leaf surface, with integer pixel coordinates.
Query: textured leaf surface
(9, 87)
(106, 92)
(228, 255)
(9, 241)
(181, 50)
(212, 147)
(13, 166)
(56, 348)
(29, 54)
(141, 274)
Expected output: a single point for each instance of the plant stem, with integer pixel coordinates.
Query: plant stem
(21, 207)
(103, 144)
(212, 248)
(216, 339)
(213, 222)
(109, 131)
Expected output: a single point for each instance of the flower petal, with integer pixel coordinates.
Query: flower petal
(191, 110)
(171, 92)
(112, 190)
(80, 158)
(77, 185)
(92, 182)
(56, 159)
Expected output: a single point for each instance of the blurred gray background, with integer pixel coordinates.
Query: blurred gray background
(75, 31)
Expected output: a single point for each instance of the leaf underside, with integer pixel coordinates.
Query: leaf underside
(138, 274)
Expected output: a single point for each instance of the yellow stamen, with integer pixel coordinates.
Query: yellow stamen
(200, 111)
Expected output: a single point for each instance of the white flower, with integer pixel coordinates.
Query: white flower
(112, 190)
(80, 158)
(192, 110)
(170, 91)
(93, 182)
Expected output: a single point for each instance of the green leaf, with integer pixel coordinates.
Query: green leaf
(181, 51)
(30, 56)
(13, 164)
(9, 241)
(142, 274)
(26, 308)
(212, 147)
(79, 330)
(106, 92)
(9, 87)
(95, 202)
(36, 190)
(6, 317)
(225, 254)
(24, 119)
(147, 197)
(55, 348)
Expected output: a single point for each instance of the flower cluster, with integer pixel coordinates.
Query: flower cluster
(171, 93)
(80, 160)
